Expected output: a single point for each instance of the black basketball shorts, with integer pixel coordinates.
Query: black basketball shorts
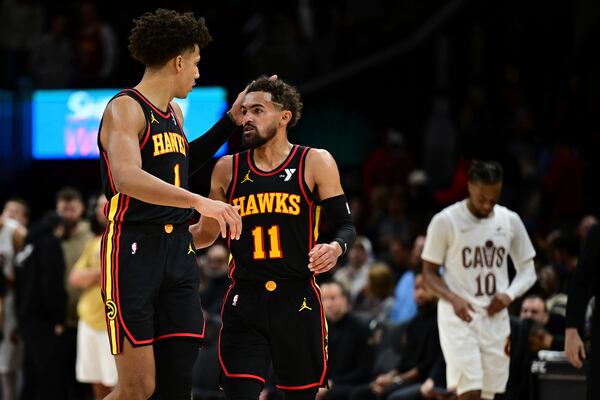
(150, 284)
(278, 321)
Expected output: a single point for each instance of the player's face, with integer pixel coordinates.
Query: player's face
(483, 198)
(335, 304)
(15, 211)
(188, 73)
(534, 309)
(422, 293)
(262, 119)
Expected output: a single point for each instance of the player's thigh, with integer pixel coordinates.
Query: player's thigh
(461, 349)
(495, 361)
(298, 338)
(243, 343)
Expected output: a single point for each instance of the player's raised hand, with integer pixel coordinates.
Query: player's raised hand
(224, 213)
(235, 112)
(498, 303)
(462, 308)
(323, 257)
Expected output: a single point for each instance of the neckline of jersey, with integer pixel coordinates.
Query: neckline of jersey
(278, 169)
(164, 114)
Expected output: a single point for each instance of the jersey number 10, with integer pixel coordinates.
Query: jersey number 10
(259, 244)
(489, 285)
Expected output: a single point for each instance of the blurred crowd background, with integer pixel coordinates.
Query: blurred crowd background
(403, 93)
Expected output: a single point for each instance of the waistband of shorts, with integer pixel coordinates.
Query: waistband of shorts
(153, 228)
(267, 284)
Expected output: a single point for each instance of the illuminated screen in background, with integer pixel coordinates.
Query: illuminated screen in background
(65, 122)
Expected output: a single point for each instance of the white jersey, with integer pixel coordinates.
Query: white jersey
(474, 251)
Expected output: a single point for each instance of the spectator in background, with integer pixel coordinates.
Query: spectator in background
(215, 280)
(95, 364)
(584, 226)
(405, 306)
(395, 221)
(388, 164)
(41, 304)
(353, 276)
(96, 47)
(70, 207)
(545, 333)
(53, 56)
(421, 354)
(17, 209)
(398, 256)
(12, 239)
(377, 301)
(351, 354)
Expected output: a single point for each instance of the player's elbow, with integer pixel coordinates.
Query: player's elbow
(122, 180)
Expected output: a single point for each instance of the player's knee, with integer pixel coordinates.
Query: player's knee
(138, 389)
(308, 394)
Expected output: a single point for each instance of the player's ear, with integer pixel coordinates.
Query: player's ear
(178, 60)
(286, 117)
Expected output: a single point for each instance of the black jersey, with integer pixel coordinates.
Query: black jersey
(279, 215)
(164, 150)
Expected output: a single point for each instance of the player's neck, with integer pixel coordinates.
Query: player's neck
(273, 153)
(156, 88)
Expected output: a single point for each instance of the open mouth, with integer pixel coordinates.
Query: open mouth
(249, 129)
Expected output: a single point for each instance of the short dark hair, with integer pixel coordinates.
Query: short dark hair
(69, 194)
(157, 37)
(282, 93)
(486, 172)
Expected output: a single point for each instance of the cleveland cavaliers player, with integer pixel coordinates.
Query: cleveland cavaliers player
(473, 239)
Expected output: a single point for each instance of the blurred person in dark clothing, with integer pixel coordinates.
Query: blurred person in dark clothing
(422, 352)
(585, 284)
(351, 354)
(215, 280)
(41, 304)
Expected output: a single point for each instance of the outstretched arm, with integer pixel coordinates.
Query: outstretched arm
(322, 170)
(205, 232)
(123, 121)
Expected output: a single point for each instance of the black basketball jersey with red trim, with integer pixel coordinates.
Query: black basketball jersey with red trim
(279, 215)
(164, 151)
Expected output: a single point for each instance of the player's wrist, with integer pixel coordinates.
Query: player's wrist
(337, 248)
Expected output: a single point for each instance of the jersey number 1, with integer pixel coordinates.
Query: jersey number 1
(259, 244)
(176, 172)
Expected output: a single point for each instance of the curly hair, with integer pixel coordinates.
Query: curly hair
(157, 37)
(282, 93)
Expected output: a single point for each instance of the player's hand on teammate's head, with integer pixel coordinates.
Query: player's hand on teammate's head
(224, 213)
(323, 257)
(235, 112)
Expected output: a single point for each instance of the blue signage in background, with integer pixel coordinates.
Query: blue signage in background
(65, 122)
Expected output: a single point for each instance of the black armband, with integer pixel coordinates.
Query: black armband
(337, 209)
(203, 148)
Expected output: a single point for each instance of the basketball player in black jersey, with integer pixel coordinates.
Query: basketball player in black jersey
(150, 278)
(272, 310)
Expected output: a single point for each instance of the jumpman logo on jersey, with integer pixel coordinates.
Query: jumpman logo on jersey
(153, 118)
(304, 306)
(247, 178)
(191, 249)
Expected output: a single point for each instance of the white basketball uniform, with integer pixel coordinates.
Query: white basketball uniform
(9, 351)
(474, 253)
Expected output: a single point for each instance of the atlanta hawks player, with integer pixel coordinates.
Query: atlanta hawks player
(472, 239)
